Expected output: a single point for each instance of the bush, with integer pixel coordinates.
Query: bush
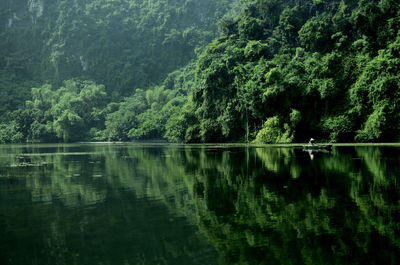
(270, 132)
(9, 133)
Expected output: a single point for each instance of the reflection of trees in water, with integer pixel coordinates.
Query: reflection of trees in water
(337, 209)
(54, 173)
(255, 205)
(377, 194)
(96, 204)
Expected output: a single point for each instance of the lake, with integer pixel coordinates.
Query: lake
(198, 204)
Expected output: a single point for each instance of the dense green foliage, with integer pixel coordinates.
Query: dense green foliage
(280, 71)
(123, 44)
(333, 63)
(67, 114)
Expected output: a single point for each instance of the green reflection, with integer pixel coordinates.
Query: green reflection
(173, 204)
(94, 204)
(339, 208)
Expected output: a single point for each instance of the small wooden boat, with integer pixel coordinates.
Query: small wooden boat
(317, 147)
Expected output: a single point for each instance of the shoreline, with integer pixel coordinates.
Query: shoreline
(211, 145)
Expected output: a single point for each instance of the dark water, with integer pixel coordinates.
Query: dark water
(160, 204)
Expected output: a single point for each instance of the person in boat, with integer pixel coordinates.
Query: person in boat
(311, 142)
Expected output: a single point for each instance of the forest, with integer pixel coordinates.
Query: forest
(261, 71)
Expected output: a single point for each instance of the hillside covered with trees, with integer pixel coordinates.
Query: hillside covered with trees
(199, 71)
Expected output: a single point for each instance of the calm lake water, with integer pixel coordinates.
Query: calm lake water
(173, 204)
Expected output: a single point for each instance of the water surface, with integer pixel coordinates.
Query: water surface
(175, 204)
